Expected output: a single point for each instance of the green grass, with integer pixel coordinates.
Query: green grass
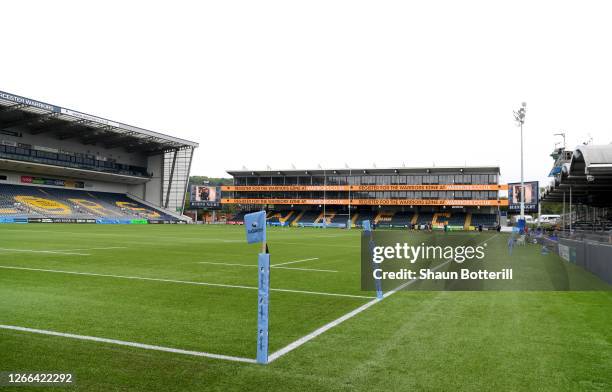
(413, 340)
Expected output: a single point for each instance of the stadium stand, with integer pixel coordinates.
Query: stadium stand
(339, 218)
(457, 219)
(44, 202)
(308, 217)
(486, 220)
(281, 217)
(364, 215)
(424, 218)
(388, 197)
(238, 218)
(383, 218)
(80, 166)
(402, 219)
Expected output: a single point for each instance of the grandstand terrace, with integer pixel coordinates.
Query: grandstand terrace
(52, 156)
(582, 181)
(394, 197)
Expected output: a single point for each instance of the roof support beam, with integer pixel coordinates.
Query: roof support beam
(13, 108)
(71, 129)
(117, 140)
(170, 179)
(48, 125)
(97, 135)
(28, 119)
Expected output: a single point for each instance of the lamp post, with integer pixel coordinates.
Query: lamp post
(519, 117)
(349, 199)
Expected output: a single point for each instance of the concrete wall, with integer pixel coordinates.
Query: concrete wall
(153, 189)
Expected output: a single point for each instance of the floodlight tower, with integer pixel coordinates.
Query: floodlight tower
(519, 117)
(562, 134)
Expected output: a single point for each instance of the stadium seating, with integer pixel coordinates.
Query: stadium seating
(308, 217)
(601, 224)
(486, 220)
(340, 218)
(425, 218)
(384, 218)
(402, 219)
(364, 215)
(457, 219)
(45, 202)
(280, 217)
(238, 217)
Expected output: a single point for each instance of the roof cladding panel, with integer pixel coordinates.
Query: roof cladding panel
(23, 114)
(591, 159)
(588, 176)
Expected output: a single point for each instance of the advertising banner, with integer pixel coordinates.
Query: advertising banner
(52, 182)
(205, 197)
(531, 197)
(364, 188)
(372, 202)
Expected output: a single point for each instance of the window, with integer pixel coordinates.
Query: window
(318, 180)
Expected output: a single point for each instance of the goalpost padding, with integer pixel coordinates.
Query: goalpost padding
(263, 302)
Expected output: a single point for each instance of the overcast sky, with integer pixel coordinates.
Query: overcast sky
(284, 83)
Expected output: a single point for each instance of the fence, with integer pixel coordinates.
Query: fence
(595, 257)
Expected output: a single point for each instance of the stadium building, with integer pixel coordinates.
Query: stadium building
(60, 165)
(459, 197)
(582, 183)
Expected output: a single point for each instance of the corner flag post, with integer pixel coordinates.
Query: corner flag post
(255, 224)
(367, 229)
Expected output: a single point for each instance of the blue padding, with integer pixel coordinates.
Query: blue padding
(105, 221)
(263, 300)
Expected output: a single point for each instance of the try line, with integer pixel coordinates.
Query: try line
(129, 344)
(181, 282)
(278, 266)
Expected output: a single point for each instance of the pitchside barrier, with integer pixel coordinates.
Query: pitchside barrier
(323, 225)
(593, 256)
(100, 221)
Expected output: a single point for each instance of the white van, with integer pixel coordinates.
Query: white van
(528, 218)
(551, 219)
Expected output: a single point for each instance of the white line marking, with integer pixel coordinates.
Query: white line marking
(182, 282)
(303, 269)
(228, 264)
(44, 251)
(321, 293)
(292, 346)
(129, 344)
(103, 248)
(295, 261)
(272, 266)
(329, 245)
